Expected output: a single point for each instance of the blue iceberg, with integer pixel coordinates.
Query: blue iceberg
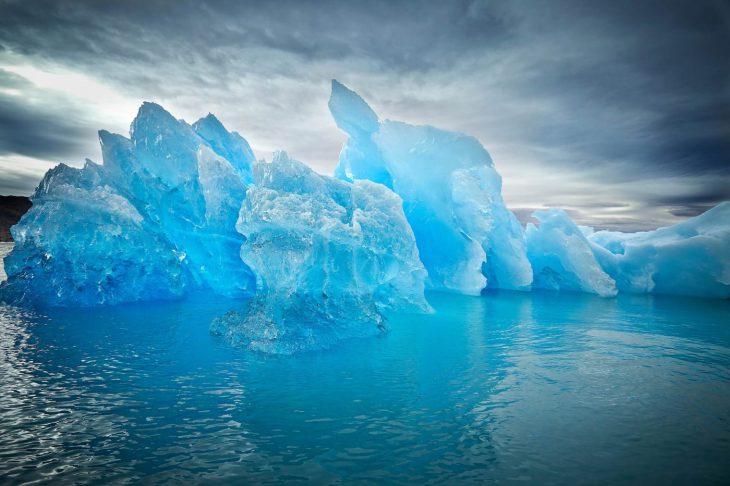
(467, 238)
(83, 243)
(562, 257)
(329, 257)
(688, 258)
(178, 208)
(155, 221)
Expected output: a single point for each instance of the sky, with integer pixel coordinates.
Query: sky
(617, 111)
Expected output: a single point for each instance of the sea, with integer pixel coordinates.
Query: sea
(509, 387)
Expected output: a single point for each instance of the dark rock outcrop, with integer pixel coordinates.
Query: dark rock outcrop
(12, 208)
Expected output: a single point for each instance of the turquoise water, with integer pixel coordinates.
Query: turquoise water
(548, 388)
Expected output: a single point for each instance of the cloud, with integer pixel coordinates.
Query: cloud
(37, 132)
(20, 174)
(581, 105)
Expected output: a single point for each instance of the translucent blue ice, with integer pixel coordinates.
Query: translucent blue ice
(177, 208)
(562, 258)
(84, 243)
(688, 258)
(329, 258)
(155, 221)
(467, 238)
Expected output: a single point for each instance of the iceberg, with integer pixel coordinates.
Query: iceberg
(155, 221)
(330, 257)
(562, 257)
(467, 238)
(178, 208)
(83, 243)
(688, 258)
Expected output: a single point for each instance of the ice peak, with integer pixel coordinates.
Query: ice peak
(229, 145)
(88, 163)
(153, 118)
(211, 122)
(351, 113)
(149, 109)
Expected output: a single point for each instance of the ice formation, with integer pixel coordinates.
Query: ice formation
(329, 257)
(177, 208)
(688, 258)
(467, 238)
(155, 221)
(562, 258)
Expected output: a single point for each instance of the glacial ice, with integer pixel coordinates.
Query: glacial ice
(329, 258)
(562, 258)
(688, 258)
(178, 208)
(156, 220)
(83, 243)
(467, 238)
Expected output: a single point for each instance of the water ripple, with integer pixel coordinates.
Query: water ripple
(509, 387)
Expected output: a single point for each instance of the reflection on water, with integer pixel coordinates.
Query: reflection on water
(5, 248)
(510, 386)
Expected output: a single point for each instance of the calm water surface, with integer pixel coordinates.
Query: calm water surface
(512, 387)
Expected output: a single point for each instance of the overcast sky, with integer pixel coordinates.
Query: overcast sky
(617, 111)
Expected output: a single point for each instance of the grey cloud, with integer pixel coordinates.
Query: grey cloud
(35, 132)
(45, 128)
(400, 35)
(18, 182)
(602, 95)
(10, 80)
(590, 205)
(710, 195)
(690, 211)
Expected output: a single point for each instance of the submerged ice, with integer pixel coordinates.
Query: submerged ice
(178, 208)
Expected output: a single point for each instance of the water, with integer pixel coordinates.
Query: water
(548, 388)
(5, 248)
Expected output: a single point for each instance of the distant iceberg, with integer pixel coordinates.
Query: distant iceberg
(688, 258)
(179, 208)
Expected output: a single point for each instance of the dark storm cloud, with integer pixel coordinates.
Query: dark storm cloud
(598, 106)
(17, 183)
(688, 211)
(712, 193)
(36, 131)
(641, 81)
(402, 35)
(36, 126)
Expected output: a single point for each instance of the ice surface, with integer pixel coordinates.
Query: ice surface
(562, 258)
(689, 258)
(155, 221)
(329, 258)
(84, 243)
(467, 238)
(229, 145)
